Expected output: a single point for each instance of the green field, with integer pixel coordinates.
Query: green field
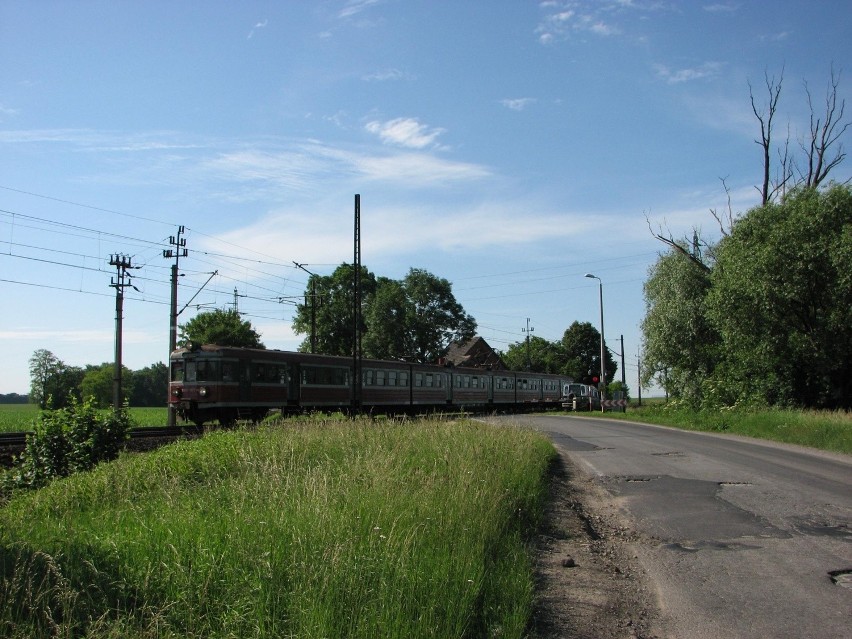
(307, 529)
(15, 418)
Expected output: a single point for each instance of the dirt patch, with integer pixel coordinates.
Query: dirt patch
(590, 584)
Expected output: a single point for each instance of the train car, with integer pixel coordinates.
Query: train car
(471, 388)
(210, 383)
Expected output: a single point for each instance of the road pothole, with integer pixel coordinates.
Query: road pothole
(842, 578)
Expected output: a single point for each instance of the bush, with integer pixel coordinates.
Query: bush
(68, 440)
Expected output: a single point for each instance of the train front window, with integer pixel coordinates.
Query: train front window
(207, 371)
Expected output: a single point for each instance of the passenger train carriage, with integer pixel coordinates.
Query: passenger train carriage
(226, 383)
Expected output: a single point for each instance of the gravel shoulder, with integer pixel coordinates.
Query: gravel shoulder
(590, 583)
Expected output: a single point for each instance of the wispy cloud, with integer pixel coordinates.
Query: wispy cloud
(354, 7)
(322, 235)
(517, 104)
(259, 25)
(562, 19)
(677, 76)
(386, 76)
(405, 132)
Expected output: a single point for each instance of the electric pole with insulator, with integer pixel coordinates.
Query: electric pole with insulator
(122, 279)
(528, 330)
(178, 252)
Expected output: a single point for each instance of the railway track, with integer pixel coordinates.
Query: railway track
(141, 438)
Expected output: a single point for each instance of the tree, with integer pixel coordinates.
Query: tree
(44, 368)
(415, 318)
(679, 343)
(544, 356)
(52, 381)
(98, 384)
(388, 332)
(581, 343)
(434, 318)
(781, 300)
(334, 306)
(150, 386)
(222, 327)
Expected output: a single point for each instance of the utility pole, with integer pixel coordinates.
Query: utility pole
(639, 376)
(313, 282)
(179, 251)
(122, 279)
(356, 311)
(528, 330)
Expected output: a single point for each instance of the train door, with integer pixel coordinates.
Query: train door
(293, 385)
(245, 380)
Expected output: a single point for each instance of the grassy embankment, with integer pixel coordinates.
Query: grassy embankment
(318, 529)
(826, 430)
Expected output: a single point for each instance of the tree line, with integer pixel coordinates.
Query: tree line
(58, 385)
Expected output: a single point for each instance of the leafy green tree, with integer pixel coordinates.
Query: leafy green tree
(781, 300)
(544, 356)
(98, 382)
(222, 327)
(415, 318)
(581, 344)
(333, 308)
(150, 385)
(679, 343)
(434, 318)
(45, 368)
(388, 333)
(52, 382)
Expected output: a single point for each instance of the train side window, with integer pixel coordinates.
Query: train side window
(368, 378)
(403, 378)
(430, 380)
(380, 378)
(392, 378)
(177, 370)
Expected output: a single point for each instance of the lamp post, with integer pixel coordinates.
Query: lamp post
(603, 352)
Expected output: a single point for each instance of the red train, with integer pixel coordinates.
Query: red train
(226, 383)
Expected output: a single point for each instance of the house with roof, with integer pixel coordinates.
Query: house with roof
(474, 353)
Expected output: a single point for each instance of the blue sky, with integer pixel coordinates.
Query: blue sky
(509, 147)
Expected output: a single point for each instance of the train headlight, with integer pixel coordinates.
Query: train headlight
(202, 392)
(176, 392)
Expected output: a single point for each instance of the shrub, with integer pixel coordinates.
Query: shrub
(68, 440)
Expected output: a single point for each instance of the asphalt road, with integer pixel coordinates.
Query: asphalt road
(740, 538)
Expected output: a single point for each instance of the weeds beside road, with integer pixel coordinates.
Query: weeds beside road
(825, 430)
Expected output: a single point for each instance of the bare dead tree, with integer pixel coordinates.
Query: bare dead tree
(765, 117)
(824, 150)
(725, 219)
(681, 247)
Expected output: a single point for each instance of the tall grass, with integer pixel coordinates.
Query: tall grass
(322, 530)
(826, 430)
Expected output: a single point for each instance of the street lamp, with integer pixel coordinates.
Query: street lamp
(603, 352)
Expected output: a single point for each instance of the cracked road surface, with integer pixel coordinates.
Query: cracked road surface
(735, 538)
